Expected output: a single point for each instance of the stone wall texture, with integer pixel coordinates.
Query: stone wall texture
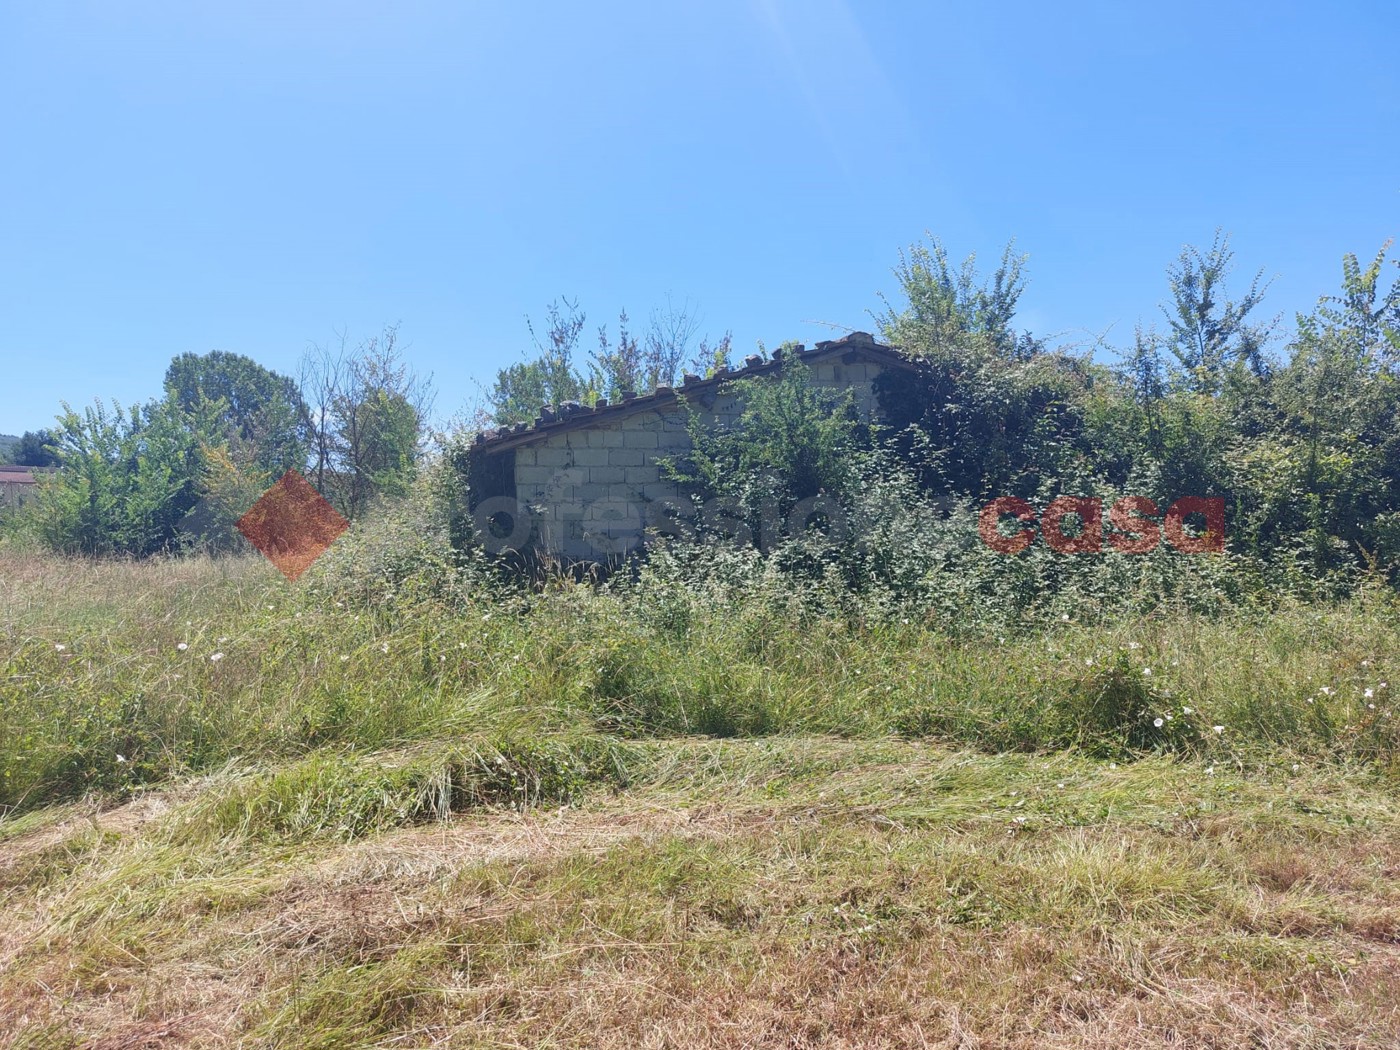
(594, 488)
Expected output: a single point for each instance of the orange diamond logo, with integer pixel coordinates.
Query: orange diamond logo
(292, 524)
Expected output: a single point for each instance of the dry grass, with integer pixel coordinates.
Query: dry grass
(797, 893)
(445, 840)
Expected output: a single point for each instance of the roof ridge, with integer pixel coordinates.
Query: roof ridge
(552, 416)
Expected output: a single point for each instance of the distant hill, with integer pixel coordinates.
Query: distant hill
(8, 443)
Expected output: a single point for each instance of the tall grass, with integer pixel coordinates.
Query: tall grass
(118, 674)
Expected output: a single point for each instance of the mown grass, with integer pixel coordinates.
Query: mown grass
(791, 891)
(616, 818)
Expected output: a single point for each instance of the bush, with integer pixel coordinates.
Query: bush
(127, 481)
(404, 550)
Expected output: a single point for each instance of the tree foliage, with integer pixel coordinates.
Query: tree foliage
(1210, 333)
(1299, 437)
(787, 430)
(1303, 446)
(181, 471)
(366, 413)
(258, 413)
(631, 363)
(956, 313)
(36, 449)
(128, 478)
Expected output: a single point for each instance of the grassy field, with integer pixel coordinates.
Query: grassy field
(235, 811)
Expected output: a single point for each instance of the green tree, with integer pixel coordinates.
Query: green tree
(957, 313)
(36, 449)
(1365, 317)
(128, 478)
(1210, 333)
(632, 364)
(1324, 473)
(992, 412)
(791, 441)
(260, 413)
(548, 378)
(367, 413)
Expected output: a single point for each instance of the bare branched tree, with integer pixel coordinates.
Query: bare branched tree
(367, 412)
(631, 364)
(667, 341)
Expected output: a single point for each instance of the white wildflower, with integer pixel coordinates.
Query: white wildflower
(121, 758)
(1370, 693)
(1218, 729)
(1158, 723)
(182, 646)
(59, 648)
(215, 657)
(1187, 711)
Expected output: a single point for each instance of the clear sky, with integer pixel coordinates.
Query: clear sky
(257, 177)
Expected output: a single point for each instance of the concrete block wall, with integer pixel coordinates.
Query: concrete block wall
(857, 377)
(594, 488)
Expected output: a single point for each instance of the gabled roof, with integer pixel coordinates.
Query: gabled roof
(572, 415)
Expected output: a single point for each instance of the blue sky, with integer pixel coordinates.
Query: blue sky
(257, 177)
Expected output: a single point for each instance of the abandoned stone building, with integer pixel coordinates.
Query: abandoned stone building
(584, 482)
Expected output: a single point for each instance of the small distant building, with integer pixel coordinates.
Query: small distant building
(17, 484)
(585, 481)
